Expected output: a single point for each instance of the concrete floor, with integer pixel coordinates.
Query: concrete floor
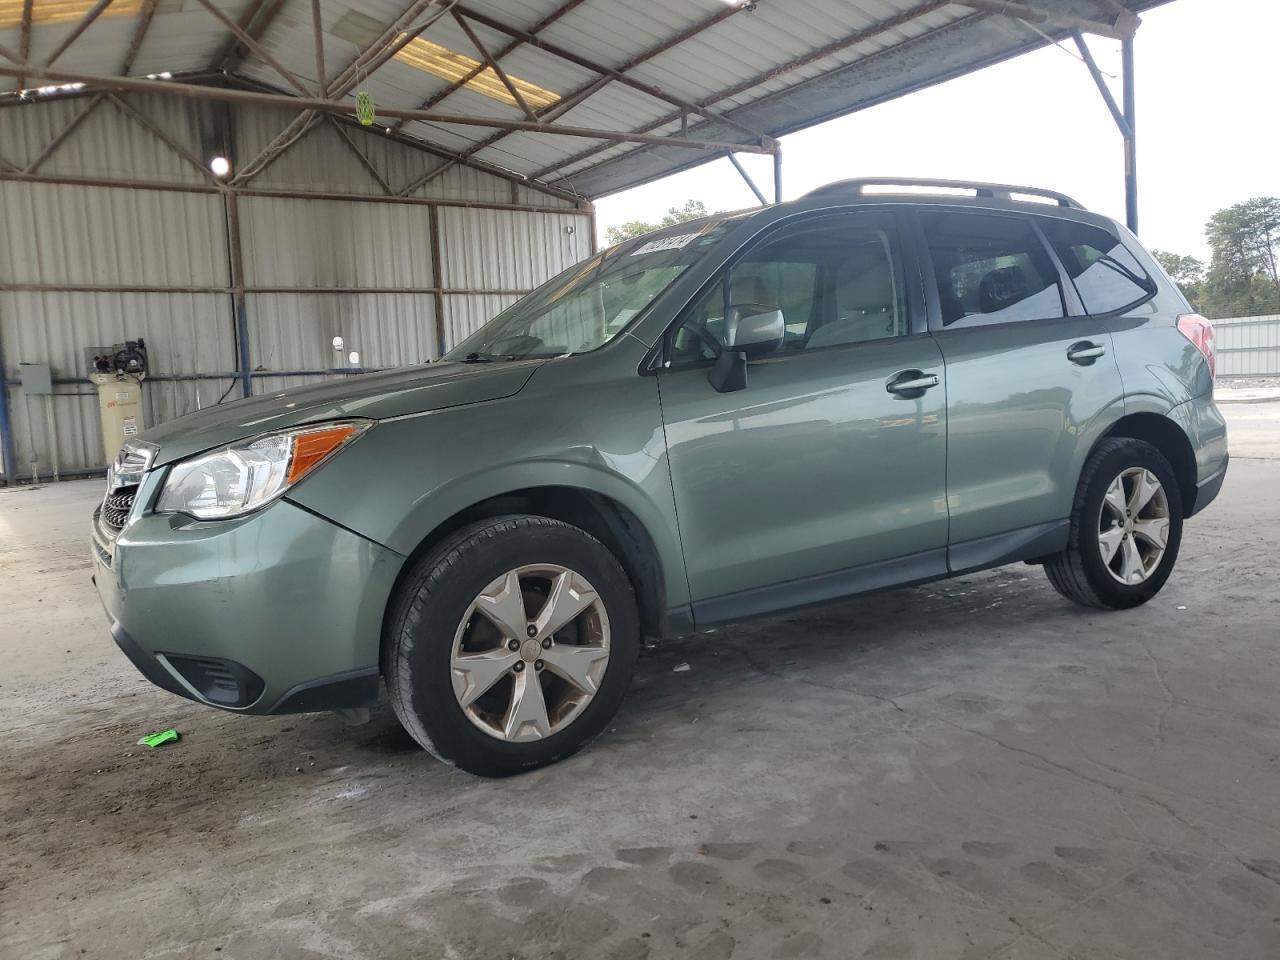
(970, 769)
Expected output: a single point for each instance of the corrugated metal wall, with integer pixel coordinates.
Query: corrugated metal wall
(1248, 346)
(92, 265)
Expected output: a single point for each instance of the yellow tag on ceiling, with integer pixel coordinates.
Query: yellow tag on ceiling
(62, 11)
(444, 63)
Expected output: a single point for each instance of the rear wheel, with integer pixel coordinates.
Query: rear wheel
(511, 645)
(1126, 527)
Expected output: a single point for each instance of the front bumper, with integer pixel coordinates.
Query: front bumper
(277, 612)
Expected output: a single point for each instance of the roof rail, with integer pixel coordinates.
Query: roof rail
(1002, 191)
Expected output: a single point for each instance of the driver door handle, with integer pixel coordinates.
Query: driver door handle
(911, 382)
(1085, 352)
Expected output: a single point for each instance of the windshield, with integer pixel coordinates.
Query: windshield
(592, 302)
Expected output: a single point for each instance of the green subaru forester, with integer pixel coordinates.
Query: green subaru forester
(727, 418)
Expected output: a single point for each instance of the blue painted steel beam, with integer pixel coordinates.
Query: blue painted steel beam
(6, 427)
(1131, 142)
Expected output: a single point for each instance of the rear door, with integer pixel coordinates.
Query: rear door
(1032, 381)
(795, 488)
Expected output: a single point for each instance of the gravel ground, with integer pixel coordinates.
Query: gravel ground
(967, 769)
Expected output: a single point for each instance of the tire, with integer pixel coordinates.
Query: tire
(1082, 572)
(437, 622)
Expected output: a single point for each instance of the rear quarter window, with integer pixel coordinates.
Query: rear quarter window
(1106, 275)
(990, 268)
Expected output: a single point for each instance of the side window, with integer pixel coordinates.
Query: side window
(1105, 273)
(836, 281)
(991, 269)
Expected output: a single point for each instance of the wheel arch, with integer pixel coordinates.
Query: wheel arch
(1167, 436)
(606, 518)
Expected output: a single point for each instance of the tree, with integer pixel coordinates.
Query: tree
(692, 210)
(1186, 271)
(1244, 273)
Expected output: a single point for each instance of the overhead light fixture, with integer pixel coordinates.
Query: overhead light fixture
(447, 65)
(62, 11)
(220, 166)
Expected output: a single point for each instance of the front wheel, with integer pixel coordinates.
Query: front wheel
(511, 644)
(1126, 526)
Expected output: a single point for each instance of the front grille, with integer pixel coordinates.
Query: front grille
(116, 507)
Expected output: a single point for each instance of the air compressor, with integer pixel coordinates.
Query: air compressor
(118, 374)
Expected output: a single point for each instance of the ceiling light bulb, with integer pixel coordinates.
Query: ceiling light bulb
(220, 166)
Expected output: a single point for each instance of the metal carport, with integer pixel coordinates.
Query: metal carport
(495, 128)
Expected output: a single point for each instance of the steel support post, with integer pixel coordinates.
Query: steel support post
(1131, 141)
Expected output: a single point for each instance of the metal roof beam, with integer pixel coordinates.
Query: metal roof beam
(620, 73)
(255, 20)
(60, 137)
(226, 94)
(176, 187)
(849, 40)
(139, 34)
(360, 155)
(479, 68)
(86, 21)
(138, 117)
(1087, 55)
(742, 172)
(317, 39)
(24, 38)
(340, 86)
(1123, 27)
(494, 66)
(255, 48)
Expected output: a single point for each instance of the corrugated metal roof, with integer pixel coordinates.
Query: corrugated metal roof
(773, 66)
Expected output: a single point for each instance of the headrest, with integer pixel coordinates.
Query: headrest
(868, 285)
(752, 290)
(1001, 288)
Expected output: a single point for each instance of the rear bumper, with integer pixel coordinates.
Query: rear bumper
(1207, 489)
(278, 612)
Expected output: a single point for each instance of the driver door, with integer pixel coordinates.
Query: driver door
(820, 478)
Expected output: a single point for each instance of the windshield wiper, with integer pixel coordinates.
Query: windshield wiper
(479, 358)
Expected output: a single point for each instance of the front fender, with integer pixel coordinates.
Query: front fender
(408, 476)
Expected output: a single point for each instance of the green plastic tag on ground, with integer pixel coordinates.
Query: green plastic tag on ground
(364, 108)
(155, 739)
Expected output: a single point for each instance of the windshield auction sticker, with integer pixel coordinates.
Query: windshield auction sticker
(666, 243)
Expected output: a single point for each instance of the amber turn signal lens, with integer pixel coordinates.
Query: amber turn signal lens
(312, 447)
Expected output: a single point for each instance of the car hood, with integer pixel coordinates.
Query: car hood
(375, 396)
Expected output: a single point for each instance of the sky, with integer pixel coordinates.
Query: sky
(1208, 136)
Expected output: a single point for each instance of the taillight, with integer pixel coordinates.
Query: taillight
(1200, 332)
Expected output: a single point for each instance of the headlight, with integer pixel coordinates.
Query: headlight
(243, 477)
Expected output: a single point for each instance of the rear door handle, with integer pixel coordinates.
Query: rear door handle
(911, 383)
(1085, 352)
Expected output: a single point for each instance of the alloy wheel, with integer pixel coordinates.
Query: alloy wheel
(1133, 527)
(530, 653)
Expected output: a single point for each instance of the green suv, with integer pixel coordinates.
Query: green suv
(745, 414)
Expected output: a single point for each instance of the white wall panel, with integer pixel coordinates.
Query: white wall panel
(1248, 346)
(505, 249)
(465, 313)
(334, 243)
(60, 234)
(295, 331)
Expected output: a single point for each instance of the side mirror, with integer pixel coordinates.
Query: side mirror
(750, 331)
(754, 330)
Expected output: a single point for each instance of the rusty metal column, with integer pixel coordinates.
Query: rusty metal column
(1131, 141)
(6, 427)
(243, 363)
(437, 281)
